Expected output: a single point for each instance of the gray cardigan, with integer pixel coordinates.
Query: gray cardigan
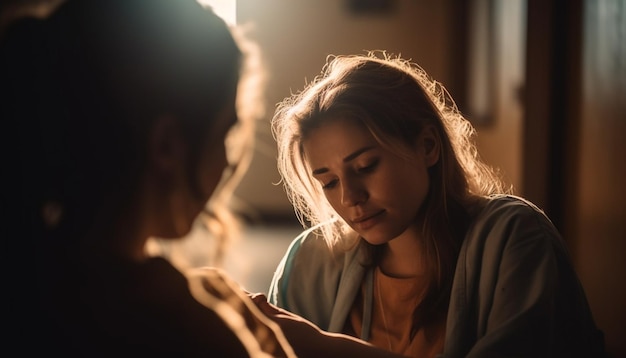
(515, 292)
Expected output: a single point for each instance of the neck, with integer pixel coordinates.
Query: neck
(402, 256)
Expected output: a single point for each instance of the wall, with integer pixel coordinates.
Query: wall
(573, 140)
(600, 218)
(499, 138)
(295, 37)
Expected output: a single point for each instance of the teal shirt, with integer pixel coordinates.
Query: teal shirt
(514, 293)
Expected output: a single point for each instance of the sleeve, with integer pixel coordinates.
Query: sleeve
(517, 288)
(279, 285)
(530, 302)
(307, 279)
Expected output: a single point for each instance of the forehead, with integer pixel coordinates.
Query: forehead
(335, 139)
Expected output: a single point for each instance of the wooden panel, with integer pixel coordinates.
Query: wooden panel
(601, 217)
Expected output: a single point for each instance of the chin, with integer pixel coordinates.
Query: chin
(375, 239)
(380, 235)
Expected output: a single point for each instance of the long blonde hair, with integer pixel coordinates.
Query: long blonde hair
(394, 99)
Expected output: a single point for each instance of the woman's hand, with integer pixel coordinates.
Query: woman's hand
(269, 309)
(308, 340)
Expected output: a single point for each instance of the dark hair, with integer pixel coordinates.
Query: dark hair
(83, 87)
(394, 99)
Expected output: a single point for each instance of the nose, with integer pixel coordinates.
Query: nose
(352, 193)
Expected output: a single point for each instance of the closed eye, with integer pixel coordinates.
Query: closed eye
(331, 184)
(368, 168)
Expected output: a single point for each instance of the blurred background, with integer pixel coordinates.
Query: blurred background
(543, 81)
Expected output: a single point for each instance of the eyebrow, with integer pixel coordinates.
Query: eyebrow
(346, 159)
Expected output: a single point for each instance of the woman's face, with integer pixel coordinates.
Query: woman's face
(377, 192)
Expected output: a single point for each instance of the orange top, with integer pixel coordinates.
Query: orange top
(393, 304)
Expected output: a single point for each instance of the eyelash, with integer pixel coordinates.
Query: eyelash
(329, 185)
(368, 168)
(363, 170)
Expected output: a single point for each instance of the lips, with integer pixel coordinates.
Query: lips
(363, 219)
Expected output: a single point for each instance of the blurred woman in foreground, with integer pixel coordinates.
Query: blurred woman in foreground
(121, 110)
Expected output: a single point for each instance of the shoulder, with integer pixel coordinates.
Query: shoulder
(308, 255)
(312, 248)
(509, 202)
(311, 276)
(310, 259)
(510, 208)
(507, 219)
(310, 239)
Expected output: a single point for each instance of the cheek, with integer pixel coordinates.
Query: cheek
(214, 164)
(334, 199)
(406, 188)
(414, 191)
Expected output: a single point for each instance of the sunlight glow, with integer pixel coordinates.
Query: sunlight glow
(226, 9)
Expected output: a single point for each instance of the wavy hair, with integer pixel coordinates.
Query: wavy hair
(394, 99)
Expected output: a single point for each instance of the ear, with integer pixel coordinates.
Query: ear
(166, 146)
(429, 144)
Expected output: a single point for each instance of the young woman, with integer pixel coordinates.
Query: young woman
(121, 109)
(414, 245)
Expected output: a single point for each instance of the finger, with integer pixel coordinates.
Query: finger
(257, 296)
(268, 308)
